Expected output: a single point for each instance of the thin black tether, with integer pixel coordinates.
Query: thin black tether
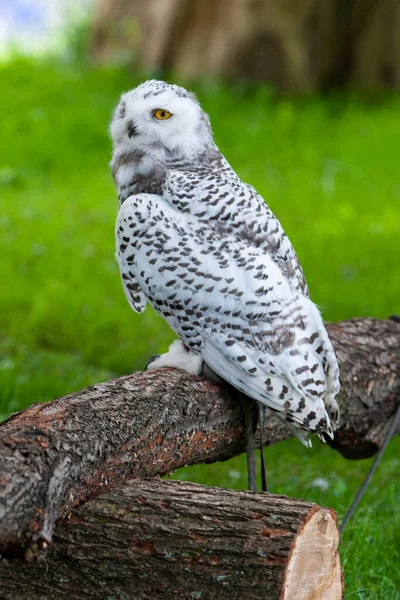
(250, 447)
(264, 485)
(356, 501)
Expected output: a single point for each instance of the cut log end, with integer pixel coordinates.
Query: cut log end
(156, 540)
(57, 455)
(314, 570)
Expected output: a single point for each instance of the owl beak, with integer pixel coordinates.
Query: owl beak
(132, 129)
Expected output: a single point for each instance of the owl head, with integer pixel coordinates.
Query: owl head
(159, 115)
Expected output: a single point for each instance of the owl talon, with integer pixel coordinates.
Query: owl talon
(151, 360)
(208, 373)
(177, 357)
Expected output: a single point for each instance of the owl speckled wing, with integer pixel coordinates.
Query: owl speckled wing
(212, 259)
(132, 289)
(219, 199)
(229, 302)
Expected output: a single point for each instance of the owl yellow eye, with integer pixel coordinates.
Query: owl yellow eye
(162, 114)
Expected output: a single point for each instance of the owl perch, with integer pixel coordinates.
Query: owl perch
(156, 539)
(78, 449)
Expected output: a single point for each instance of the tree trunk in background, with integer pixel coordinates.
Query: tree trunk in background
(158, 540)
(299, 45)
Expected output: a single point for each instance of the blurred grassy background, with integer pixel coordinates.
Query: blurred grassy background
(329, 168)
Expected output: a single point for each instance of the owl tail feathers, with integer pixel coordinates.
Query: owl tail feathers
(301, 435)
(325, 436)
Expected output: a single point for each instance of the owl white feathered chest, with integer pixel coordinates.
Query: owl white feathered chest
(205, 250)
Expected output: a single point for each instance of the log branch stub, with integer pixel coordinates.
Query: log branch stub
(155, 539)
(55, 455)
(368, 351)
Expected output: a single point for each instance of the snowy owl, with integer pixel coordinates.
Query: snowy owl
(204, 249)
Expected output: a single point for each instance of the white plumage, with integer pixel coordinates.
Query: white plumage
(206, 251)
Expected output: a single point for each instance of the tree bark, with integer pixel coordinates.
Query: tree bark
(55, 455)
(158, 540)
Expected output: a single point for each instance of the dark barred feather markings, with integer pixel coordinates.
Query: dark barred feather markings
(205, 250)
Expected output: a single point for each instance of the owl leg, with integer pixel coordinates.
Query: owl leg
(179, 357)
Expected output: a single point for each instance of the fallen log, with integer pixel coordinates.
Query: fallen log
(155, 539)
(56, 455)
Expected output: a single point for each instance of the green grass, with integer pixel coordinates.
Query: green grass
(330, 171)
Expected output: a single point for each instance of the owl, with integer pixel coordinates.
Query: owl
(205, 250)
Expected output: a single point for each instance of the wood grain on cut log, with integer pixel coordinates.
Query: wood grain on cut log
(158, 540)
(55, 455)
